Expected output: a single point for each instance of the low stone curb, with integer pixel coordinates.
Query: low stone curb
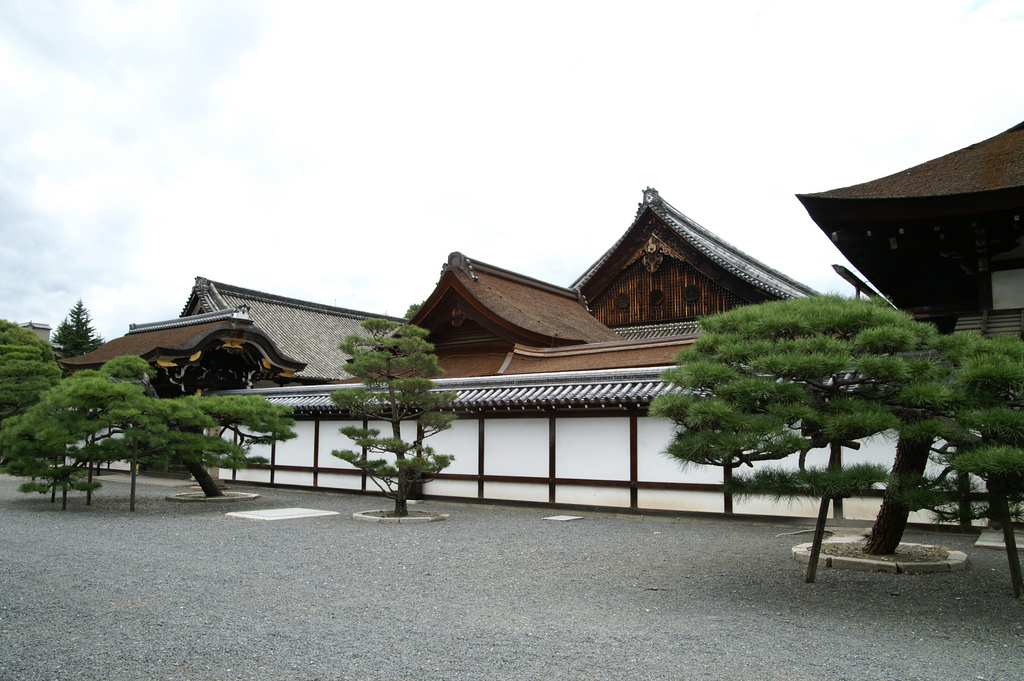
(199, 496)
(956, 560)
(413, 517)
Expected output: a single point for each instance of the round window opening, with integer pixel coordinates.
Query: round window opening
(657, 297)
(691, 294)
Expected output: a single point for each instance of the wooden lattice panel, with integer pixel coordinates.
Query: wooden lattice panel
(675, 291)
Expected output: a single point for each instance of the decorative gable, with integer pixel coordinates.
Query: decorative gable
(667, 269)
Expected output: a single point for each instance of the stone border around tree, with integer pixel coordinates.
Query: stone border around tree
(956, 560)
(377, 516)
(199, 496)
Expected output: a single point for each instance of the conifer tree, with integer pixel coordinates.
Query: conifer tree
(112, 414)
(75, 335)
(27, 370)
(395, 363)
(769, 381)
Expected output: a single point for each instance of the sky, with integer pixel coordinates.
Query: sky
(337, 152)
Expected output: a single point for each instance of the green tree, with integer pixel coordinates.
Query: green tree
(768, 381)
(75, 335)
(395, 363)
(27, 369)
(990, 442)
(113, 414)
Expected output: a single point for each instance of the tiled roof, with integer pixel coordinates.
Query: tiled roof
(539, 310)
(577, 390)
(724, 254)
(307, 331)
(182, 338)
(996, 163)
(650, 331)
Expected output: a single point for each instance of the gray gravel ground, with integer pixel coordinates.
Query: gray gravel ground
(182, 591)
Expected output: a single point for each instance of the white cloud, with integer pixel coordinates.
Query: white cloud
(337, 151)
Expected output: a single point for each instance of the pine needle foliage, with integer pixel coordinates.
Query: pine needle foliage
(396, 364)
(112, 414)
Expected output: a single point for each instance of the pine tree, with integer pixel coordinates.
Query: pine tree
(395, 363)
(27, 370)
(769, 381)
(113, 414)
(75, 335)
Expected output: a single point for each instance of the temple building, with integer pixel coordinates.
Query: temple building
(941, 240)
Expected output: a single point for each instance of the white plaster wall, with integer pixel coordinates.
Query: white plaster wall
(293, 478)
(338, 480)
(299, 450)
(652, 436)
(861, 508)
(515, 491)
(331, 440)
(247, 475)
(674, 500)
(461, 441)
(761, 505)
(592, 448)
(592, 496)
(256, 450)
(516, 447)
(452, 488)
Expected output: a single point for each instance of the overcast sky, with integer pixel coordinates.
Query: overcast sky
(338, 151)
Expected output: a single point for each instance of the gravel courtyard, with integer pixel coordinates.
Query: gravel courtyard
(183, 591)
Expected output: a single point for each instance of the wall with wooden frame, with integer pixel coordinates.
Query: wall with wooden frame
(583, 458)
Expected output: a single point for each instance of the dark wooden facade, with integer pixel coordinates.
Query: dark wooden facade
(666, 268)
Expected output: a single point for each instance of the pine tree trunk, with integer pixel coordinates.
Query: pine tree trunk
(203, 477)
(402, 494)
(834, 461)
(1001, 513)
(911, 460)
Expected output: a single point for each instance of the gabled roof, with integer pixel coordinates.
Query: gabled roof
(477, 303)
(721, 253)
(309, 332)
(181, 341)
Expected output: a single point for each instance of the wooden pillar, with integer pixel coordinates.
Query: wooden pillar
(552, 451)
(633, 461)
(480, 458)
(316, 452)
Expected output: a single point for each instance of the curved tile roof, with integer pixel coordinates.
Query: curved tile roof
(717, 250)
(307, 331)
(614, 388)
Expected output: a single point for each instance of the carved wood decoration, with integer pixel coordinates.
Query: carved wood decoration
(676, 291)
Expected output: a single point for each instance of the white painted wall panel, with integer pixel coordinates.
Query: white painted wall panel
(514, 491)
(293, 478)
(592, 496)
(331, 440)
(760, 505)
(249, 475)
(516, 447)
(673, 500)
(451, 488)
(299, 450)
(339, 480)
(592, 448)
(461, 441)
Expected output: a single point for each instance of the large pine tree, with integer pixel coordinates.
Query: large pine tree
(75, 335)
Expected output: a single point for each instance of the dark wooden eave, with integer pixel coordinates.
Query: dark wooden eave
(929, 237)
(179, 345)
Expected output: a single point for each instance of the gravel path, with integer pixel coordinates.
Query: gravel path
(182, 591)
